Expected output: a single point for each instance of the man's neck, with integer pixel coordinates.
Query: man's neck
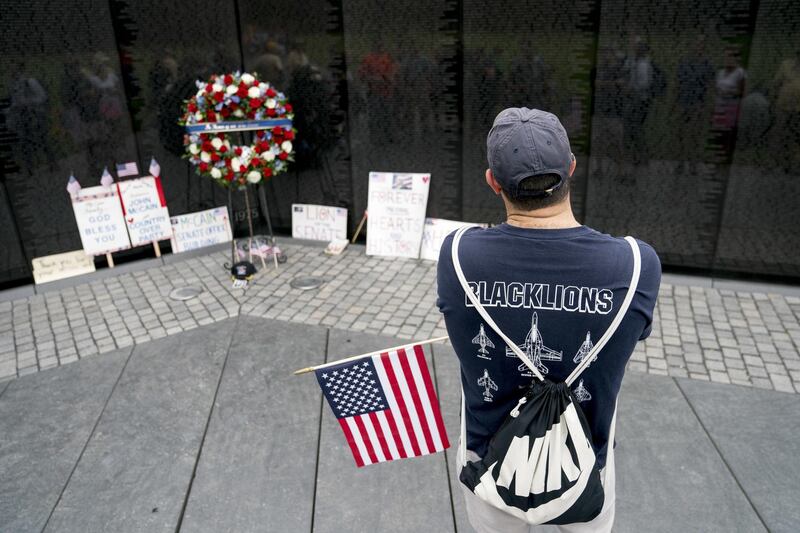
(554, 217)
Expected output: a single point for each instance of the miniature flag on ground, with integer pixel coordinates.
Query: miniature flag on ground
(385, 405)
(127, 169)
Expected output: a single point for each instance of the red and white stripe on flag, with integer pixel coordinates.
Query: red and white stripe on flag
(386, 406)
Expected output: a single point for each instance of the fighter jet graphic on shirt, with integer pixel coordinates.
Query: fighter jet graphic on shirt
(488, 386)
(535, 350)
(483, 341)
(581, 393)
(584, 350)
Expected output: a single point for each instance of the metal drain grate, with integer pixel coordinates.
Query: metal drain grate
(185, 293)
(306, 283)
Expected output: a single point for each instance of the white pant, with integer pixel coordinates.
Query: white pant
(488, 519)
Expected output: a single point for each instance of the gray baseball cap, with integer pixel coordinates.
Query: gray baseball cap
(527, 142)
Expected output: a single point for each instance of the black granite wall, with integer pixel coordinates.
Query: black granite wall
(684, 117)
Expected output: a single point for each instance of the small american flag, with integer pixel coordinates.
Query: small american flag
(127, 169)
(386, 405)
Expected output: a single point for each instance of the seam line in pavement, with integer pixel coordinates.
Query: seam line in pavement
(4, 386)
(319, 438)
(89, 438)
(722, 457)
(446, 463)
(205, 429)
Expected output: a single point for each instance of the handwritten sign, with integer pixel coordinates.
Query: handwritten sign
(318, 222)
(200, 229)
(60, 266)
(396, 207)
(145, 210)
(436, 229)
(98, 213)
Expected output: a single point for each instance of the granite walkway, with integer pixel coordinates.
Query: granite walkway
(208, 430)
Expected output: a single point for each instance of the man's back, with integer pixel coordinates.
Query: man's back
(554, 292)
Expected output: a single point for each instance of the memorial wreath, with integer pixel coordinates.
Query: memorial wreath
(237, 102)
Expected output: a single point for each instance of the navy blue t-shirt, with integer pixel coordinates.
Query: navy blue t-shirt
(554, 292)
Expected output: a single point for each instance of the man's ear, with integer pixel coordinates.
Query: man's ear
(492, 182)
(572, 165)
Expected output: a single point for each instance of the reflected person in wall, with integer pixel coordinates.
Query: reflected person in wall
(694, 79)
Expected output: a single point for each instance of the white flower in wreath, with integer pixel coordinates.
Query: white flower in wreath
(286, 146)
(271, 103)
(227, 144)
(216, 143)
(268, 156)
(248, 78)
(217, 87)
(238, 113)
(254, 176)
(193, 149)
(231, 89)
(253, 92)
(263, 86)
(198, 116)
(205, 157)
(235, 164)
(216, 173)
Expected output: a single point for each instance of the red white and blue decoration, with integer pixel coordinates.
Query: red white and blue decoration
(386, 405)
(238, 102)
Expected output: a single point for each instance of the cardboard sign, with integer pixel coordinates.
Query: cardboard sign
(98, 213)
(145, 211)
(318, 222)
(396, 207)
(60, 266)
(203, 228)
(436, 229)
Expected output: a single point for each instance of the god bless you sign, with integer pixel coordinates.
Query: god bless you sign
(396, 205)
(101, 223)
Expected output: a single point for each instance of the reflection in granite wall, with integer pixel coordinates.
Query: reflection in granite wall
(684, 116)
(667, 76)
(65, 111)
(302, 53)
(161, 59)
(759, 228)
(543, 60)
(403, 73)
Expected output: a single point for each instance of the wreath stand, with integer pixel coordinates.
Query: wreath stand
(264, 210)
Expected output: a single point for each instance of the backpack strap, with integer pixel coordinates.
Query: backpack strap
(623, 309)
(637, 264)
(478, 307)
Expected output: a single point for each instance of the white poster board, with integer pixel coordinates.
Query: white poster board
(436, 229)
(145, 210)
(60, 266)
(396, 213)
(318, 222)
(98, 213)
(199, 229)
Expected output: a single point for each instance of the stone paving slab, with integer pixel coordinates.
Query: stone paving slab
(45, 421)
(670, 476)
(258, 463)
(398, 496)
(756, 431)
(713, 332)
(135, 471)
(448, 380)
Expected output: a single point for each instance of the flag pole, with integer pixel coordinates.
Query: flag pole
(353, 358)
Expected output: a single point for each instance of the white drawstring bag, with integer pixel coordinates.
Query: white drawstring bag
(540, 465)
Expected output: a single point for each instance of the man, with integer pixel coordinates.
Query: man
(550, 284)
